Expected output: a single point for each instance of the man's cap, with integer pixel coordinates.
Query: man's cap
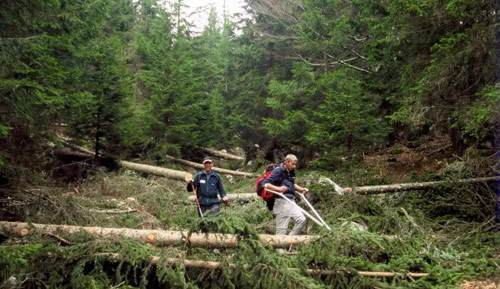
(207, 160)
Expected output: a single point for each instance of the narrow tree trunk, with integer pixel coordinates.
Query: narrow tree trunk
(98, 132)
(73, 156)
(222, 155)
(169, 173)
(219, 265)
(235, 197)
(158, 237)
(200, 166)
(77, 148)
(373, 190)
(368, 190)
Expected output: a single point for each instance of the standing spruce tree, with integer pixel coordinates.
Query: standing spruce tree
(292, 103)
(99, 82)
(439, 66)
(320, 51)
(347, 120)
(185, 80)
(247, 76)
(171, 77)
(31, 75)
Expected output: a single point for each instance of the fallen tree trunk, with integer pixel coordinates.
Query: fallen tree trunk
(219, 265)
(235, 197)
(200, 166)
(169, 173)
(74, 156)
(368, 190)
(222, 154)
(112, 211)
(158, 237)
(372, 190)
(75, 147)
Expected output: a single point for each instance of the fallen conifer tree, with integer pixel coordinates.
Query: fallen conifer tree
(219, 265)
(223, 155)
(169, 173)
(158, 237)
(200, 166)
(154, 170)
(373, 190)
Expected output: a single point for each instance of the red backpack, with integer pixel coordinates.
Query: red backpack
(261, 192)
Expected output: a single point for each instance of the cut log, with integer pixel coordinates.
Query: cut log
(222, 154)
(235, 197)
(75, 147)
(200, 166)
(158, 237)
(169, 173)
(369, 190)
(74, 156)
(112, 211)
(373, 190)
(219, 265)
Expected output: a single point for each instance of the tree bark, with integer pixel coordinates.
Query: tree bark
(222, 155)
(158, 237)
(200, 166)
(219, 265)
(235, 197)
(373, 190)
(75, 147)
(369, 190)
(169, 173)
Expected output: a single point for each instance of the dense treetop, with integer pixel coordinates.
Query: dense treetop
(318, 78)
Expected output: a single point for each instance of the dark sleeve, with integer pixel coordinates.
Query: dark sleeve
(189, 188)
(274, 178)
(220, 187)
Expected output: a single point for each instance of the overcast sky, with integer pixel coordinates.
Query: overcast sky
(200, 19)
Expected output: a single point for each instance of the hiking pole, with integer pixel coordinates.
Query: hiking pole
(196, 198)
(189, 178)
(302, 210)
(314, 211)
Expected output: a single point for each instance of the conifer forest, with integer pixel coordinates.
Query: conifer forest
(119, 118)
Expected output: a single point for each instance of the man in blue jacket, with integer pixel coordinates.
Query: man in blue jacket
(282, 180)
(207, 184)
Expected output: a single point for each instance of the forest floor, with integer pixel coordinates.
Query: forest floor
(450, 232)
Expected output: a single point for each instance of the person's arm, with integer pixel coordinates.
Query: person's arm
(301, 189)
(272, 187)
(192, 183)
(220, 188)
(272, 179)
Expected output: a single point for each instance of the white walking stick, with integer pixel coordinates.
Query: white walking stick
(302, 210)
(315, 212)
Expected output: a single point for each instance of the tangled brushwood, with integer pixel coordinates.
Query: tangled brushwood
(426, 239)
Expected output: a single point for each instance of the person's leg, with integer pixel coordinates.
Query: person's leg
(299, 219)
(212, 210)
(203, 210)
(282, 217)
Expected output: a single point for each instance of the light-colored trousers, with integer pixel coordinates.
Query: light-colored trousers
(285, 211)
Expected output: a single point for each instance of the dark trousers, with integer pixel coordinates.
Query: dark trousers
(210, 210)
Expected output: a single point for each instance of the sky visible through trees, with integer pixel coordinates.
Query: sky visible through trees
(317, 78)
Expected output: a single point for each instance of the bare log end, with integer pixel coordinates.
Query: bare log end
(151, 238)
